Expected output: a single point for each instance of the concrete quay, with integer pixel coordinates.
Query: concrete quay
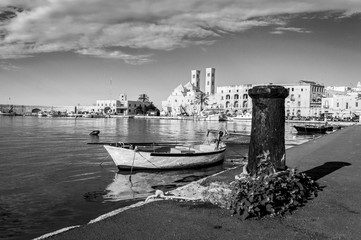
(333, 160)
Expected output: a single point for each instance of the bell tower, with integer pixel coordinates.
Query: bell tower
(196, 78)
(210, 81)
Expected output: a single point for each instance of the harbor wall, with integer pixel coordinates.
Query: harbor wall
(22, 109)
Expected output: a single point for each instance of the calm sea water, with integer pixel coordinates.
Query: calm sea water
(50, 178)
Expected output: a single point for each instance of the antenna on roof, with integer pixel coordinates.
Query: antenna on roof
(110, 90)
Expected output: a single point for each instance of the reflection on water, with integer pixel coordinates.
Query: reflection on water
(50, 178)
(140, 184)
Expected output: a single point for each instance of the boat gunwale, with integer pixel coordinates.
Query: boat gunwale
(186, 154)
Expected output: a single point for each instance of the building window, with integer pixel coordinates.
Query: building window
(338, 104)
(194, 76)
(293, 89)
(356, 104)
(208, 74)
(236, 104)
(236, 96)
(245, 96)
(327, 104)
(227, 104)
(301, 89)
(208, 83)
(299, 103)
(222, 98)
(245, 104)
(347, 105)
(228, 96)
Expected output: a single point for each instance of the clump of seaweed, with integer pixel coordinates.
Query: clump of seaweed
(269, 192)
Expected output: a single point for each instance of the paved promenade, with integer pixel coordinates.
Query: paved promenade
(333, 160)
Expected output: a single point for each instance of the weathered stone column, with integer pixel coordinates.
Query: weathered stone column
(268, 127)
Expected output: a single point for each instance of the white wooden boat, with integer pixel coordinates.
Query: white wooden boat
(166, 156)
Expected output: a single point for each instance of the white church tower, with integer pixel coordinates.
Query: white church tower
(210, 81)
(196, 78)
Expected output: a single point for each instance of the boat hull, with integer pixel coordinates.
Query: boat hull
(309, 130)
(128, 158)
(7, 114)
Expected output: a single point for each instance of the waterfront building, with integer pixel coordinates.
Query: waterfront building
(183, 99)
(86, 108)
(304, 99)
(133, 107)
(234, 99)
(338, 89)
(229, 99)
(342, 104)
(120, 106)
(108, 106)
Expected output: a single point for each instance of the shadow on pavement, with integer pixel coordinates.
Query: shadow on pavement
(325, 169)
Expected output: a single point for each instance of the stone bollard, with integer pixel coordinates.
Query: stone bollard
(268, 127)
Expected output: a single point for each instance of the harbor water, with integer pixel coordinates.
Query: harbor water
(50, 178)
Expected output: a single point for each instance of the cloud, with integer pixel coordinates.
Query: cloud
(131, 59)
(281, 30)
(83, 26)
(8, 66)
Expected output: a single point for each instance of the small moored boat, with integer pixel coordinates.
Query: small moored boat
(311, 129)
(94, 133)
(7, 113)
(329, 128)
(158, 156)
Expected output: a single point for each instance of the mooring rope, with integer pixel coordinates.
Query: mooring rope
(159, 194)
(103, 160)
(131, 169)
(147, 160)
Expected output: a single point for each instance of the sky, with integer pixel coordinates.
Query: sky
(70, 52)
